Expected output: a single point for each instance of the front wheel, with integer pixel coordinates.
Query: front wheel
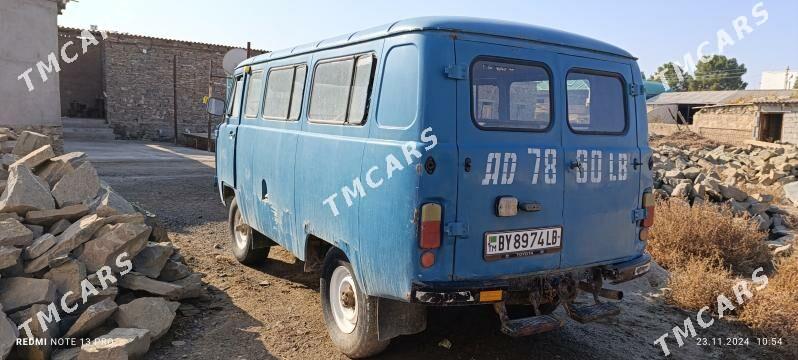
(350, 315)
(243, 237)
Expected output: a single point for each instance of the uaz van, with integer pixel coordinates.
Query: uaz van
(442, 162)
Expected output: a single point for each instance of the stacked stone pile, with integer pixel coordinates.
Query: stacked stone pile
(68, 241)
(704, 171)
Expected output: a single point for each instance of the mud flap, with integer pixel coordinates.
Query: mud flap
(397, 318)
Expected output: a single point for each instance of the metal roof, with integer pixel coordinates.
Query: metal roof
(467, 25)
(129, 35)
(717, 97)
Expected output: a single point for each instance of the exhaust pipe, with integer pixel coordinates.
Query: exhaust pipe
(605, 293)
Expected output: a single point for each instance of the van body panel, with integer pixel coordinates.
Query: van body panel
(601, 194)
(515, 163)
(226, 140)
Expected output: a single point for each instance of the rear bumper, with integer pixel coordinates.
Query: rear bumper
(450, 293)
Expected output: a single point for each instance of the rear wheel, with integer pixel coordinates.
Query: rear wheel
(350, 315)
(242, 238)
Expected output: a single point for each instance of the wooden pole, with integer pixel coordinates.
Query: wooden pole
(210, 94)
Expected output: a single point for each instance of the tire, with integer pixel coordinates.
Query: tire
(242, 238)
(351, 317)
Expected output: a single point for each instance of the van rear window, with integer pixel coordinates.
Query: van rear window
(596, 103)
(508, 95)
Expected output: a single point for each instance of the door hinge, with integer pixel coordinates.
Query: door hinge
(455, 71)
(636, 89)
(638, 215)
(456, 229)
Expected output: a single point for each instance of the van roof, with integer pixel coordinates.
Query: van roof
(506, 29)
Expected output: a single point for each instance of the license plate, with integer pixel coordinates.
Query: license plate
(509, 244)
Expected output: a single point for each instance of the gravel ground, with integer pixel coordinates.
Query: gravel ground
(273, 311)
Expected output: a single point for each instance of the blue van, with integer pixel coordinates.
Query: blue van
(442, 162)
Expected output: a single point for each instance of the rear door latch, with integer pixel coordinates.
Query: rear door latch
(638, 215)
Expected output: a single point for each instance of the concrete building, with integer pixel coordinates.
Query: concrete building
(728, 116)
(29, 35)
(139, 87)
(778, 79)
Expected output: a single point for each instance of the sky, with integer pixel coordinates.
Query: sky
(654, 31)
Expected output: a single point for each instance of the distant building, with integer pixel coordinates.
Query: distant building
(729, 116)
(778, 79)
(125, 87)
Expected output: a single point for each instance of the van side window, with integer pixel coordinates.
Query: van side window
(509, 95)
(341, 90)
(596, 103)
(234, 107)
(284, 88)
(253, 86)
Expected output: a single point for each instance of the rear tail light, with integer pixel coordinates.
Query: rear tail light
(648, 204)
(430, 226)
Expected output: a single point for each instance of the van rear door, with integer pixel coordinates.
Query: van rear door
(509, 148)
(602, 160)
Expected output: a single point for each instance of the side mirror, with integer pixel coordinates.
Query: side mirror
(216, 106)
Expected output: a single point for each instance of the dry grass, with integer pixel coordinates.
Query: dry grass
(773, 312)
(707, 232)
(697, 283)
(685, 139)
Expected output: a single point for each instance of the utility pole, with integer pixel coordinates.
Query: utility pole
(210, 95)
(787, 78)
(174, 93)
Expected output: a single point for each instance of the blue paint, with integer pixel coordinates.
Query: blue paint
(302, 163)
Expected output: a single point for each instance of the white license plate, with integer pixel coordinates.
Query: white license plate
(508, 244)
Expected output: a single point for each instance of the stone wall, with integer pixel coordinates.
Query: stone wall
(139, 85)
(29, 35)
(730, 124)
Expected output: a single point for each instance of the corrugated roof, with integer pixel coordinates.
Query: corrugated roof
(155, 38)
(717, 97)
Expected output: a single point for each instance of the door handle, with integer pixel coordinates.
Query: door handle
(577, 165)
(636, 163)
(232, 134)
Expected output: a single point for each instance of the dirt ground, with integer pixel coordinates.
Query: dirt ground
(273, 311)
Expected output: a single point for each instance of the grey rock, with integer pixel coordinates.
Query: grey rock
(18, 293)
(52, 171)
(77, 234)
(114, 240)
(25, 192)
(39, 246)
(49, 217)
(59, 227)
(682, 190)
(174, 271)
(120, 343)
(731, 192)
(67, 277)
(192, 287)
(46, 331)
(110, 204)
(135, 281)
(152, 259)
(36, 157)
(13, 233)
(29, 141)
(92, 318)
(66, 354)
(9, 256)
(8, 335)
(36, 230)
(791, 192)
(78, 186)
(152, 313)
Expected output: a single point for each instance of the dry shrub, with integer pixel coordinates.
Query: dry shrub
(706, 232)
(697, 283)
(773, 311)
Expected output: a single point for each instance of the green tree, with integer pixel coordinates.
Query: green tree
(673, 76)
(718, 73)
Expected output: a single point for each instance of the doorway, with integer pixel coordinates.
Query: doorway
(770, 127)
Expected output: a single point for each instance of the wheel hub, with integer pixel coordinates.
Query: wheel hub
(343, 299)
